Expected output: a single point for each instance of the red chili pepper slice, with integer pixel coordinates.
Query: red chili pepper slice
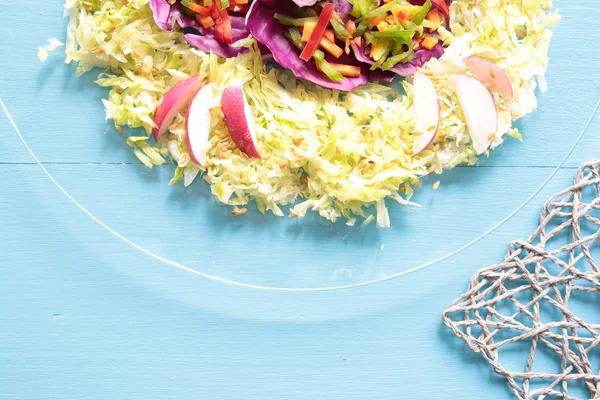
(318, 32)
(222, 23)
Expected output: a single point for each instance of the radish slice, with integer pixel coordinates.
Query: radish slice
(427, 112)
(490, 75)
(173, 103)
(479, 109)
(239, 120)
(198, 124)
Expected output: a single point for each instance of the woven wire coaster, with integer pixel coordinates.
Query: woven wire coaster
(532, 308)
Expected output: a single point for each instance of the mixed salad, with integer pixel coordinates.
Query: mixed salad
(336, 43)
(317, 128)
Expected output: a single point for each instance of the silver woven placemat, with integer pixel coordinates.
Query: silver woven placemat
(527, 303)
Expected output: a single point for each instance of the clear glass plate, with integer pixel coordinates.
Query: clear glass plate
(61, 119)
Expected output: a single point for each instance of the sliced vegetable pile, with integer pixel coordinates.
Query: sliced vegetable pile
(199, 99)
(474, 87)
(259, 134)
(386, 35)
(334, 44)
(210, 25)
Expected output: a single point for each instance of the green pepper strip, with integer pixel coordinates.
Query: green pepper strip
(294, 35)
(285, 20)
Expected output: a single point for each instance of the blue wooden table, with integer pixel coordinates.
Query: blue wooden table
(84, 315)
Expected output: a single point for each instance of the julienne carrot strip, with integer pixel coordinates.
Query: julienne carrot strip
(206, 22)
(351, 71)
(329, 35)
(351, 26)
(198, 9)
(443, 7)
(307, 31)
(318, 32)
(429, 42)
(331, 47)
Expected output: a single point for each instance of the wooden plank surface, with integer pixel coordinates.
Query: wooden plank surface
(84, 315)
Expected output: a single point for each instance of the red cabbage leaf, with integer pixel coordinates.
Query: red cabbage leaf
(267, 30)
(166, 15)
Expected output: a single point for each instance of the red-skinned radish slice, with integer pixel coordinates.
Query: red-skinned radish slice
(173, 102)
(198, 124)
(427, 112)
(239, 120)
(479, 109)
(490, 75)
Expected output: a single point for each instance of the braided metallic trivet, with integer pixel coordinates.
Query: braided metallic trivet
(525, 300)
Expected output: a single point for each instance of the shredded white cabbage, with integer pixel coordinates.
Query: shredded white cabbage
(316, 155)
(45, 50)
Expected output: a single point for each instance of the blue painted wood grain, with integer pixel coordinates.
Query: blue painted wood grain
(83, 315)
